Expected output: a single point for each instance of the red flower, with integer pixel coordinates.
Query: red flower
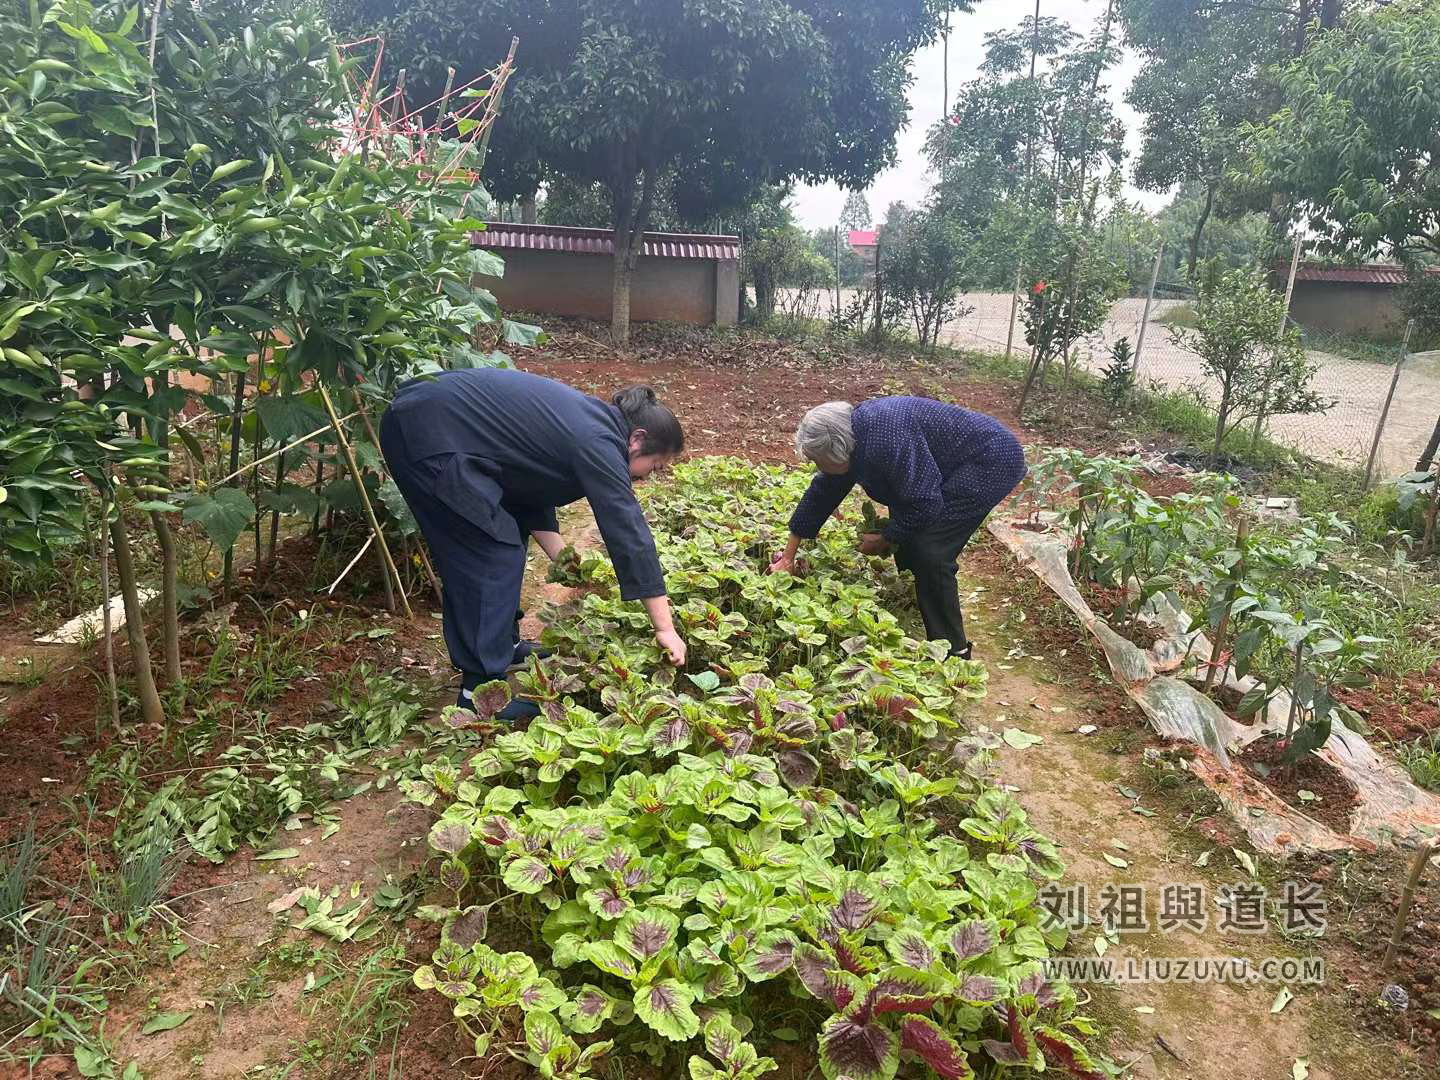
(1038, 288)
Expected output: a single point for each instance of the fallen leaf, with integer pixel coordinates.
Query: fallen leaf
(1283, 998)
(1087, 729)
(1244, 859)
(1101, 944)
(1204, 859)
(284, 903)
(1145, 1010)
(278, 853)
(1119, 844)
(1021, 740)
(1116, 861)
(1129, 793)
(1143, 812)
(164, 1022)
(1301, 1069)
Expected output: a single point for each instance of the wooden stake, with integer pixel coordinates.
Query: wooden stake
(1407, 897)
(106, 622)
(365, 499)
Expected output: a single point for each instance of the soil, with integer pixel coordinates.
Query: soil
(1109, 601)
(743, 395)
(1335, 797)
(1404, 708)
(738, 395)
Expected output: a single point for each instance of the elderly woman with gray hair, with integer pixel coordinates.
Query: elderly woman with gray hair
(939, 468)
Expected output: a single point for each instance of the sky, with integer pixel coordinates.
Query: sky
(819, 206)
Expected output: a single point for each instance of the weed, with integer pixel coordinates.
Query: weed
(364, 1009)
(17, 872)
(1421, 759)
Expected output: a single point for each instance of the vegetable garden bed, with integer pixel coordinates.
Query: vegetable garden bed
(1281, 671)
(696, 854)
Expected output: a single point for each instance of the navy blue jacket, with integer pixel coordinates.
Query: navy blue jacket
(929, 462)
(520, 445)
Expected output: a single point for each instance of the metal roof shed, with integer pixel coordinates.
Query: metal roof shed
(568, 270)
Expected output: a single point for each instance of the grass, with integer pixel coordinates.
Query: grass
(1181, 315)
(1421, 760)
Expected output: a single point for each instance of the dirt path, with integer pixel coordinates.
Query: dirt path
(1078, 790)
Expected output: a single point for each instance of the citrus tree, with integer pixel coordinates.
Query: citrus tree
(205, 215)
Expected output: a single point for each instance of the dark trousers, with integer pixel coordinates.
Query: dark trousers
(480, 574)
(930, 556)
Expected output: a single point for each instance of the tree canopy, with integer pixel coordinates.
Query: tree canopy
(1353, 149)
(617, 92)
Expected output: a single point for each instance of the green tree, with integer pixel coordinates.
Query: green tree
(728, 95)
(1209, 69)
(1258, 368)
(856, 214)
(1353, 148)
(925, 268)
(134, 248)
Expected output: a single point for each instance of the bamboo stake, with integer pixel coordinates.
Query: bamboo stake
(1407, 897)
(106, 621)
(272, 456)
(364, 415)
(365, 499)
(429, 570)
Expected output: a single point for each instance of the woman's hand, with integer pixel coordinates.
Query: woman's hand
(784, 564)
(874, 544)
(552, 543)
(658, 608)
(673, 644)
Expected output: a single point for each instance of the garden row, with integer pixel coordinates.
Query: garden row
(792, 837)
(1286, 602)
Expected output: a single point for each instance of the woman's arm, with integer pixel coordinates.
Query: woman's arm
(552, 543)
(658, 608)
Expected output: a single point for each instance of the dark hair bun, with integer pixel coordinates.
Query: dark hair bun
(642, 411)
(635, 397)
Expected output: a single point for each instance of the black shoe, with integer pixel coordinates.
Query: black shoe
(965, 653)
(526, 649)
(518, 711)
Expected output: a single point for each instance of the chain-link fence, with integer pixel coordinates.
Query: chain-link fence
(1356, 378)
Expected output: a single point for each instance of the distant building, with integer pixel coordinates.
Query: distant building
(567, 270)
(1348, 299)
(864, 242)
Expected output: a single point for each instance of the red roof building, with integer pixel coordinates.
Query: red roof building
(567, 270)
(1360, 300)
(864, 241)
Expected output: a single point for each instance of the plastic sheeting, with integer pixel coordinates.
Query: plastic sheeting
(1389, 809)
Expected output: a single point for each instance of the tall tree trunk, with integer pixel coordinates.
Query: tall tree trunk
(764, 296)
(150, 707)
(1302, 25)
(620, 294)
(1330, 12)
(527, 209)
(1431, 448)
(1210, 186)
(169, 603)
(632, 217)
